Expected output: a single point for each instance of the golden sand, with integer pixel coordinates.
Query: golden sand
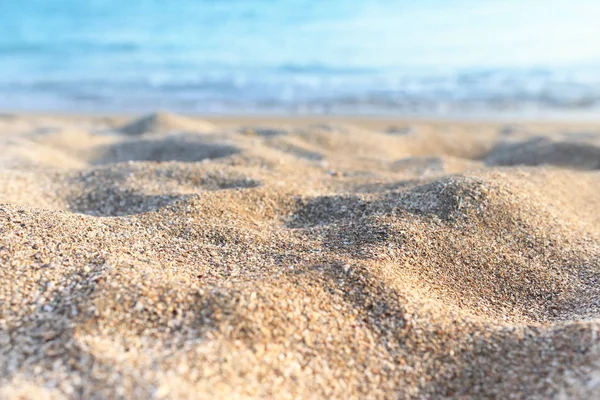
(169, 257)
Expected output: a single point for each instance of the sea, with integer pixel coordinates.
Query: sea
(393, 57)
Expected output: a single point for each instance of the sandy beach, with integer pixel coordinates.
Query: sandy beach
(165, 256)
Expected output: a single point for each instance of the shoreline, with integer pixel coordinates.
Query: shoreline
(590, 119)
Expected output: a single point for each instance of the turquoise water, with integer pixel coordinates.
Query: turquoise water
(299, 56)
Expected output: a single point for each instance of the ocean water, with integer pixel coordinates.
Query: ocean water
(300, 56)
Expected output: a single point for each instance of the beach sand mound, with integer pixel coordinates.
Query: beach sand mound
(162, 122)
(545, 151)
(244, 266)
(425, 166)
(184, 148)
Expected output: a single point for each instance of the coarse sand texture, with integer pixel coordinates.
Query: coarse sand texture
(171, 257)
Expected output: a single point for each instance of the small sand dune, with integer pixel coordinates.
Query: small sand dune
(544, 151)
(164, 123)
(173, 258)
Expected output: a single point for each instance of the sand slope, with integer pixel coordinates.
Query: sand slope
(168, 257)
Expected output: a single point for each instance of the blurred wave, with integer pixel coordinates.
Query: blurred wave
(299, 56)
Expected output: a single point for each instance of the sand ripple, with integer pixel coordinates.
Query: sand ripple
(171, 258)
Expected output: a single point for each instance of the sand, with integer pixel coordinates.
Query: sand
(173, 257)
